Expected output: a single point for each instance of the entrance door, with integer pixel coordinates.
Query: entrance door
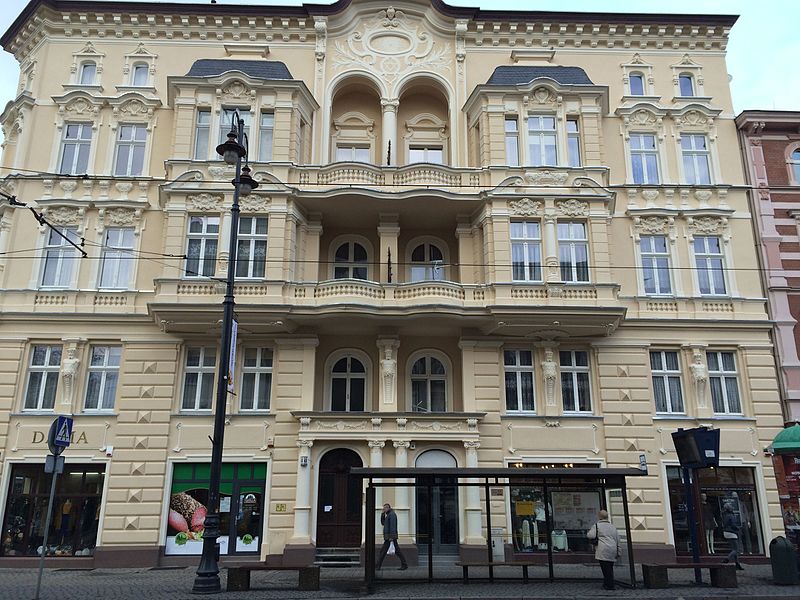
(339, 501)
(437, 516)
(245, 522)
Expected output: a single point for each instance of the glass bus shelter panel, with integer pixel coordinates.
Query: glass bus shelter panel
(623, 573)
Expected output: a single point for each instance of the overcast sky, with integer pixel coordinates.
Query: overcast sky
(762, 54)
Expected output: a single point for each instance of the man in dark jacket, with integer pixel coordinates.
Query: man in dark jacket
(389, 522)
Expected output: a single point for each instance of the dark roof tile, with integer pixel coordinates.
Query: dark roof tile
(262, 69)
(519, 75)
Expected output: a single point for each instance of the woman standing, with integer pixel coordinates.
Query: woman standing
(605, 535)
(730, 532)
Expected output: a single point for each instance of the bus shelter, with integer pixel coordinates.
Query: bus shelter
(519, 486)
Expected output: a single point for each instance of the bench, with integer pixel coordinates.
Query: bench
(239, 576)
(466, 565)
(723, 575)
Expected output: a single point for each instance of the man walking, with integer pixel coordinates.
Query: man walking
(389, 522)
(605, 535)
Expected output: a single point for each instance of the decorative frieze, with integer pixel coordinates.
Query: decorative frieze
(205, 202)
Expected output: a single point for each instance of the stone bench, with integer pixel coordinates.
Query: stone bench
(466, 565)
(239, 576)
(723, 575)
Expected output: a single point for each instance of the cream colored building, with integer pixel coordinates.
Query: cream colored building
(480, 239)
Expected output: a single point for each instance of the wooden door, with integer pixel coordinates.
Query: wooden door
(339, 501)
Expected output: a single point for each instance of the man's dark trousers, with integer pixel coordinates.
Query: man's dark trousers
(608, 573)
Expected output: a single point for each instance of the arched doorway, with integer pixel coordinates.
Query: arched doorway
(339, 501)
(437, 519)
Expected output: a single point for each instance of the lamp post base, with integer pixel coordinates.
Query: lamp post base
(207, 579)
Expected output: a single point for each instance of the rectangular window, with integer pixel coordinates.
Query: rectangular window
(519, 380)
(201, 250)
(201, 134)
(686, 85)
(265, 131)
(573, 143)
(59, 257)
(198, 378)
(427, 154)
(666, 370)
(644, 158)
(512, 141)
(542, 146)
(256, 379)
(117, 259)
(140, 75)
(225, 120)
(575, 390)
(695, 159)
(131, 142)
(75, 145)
(710, 264)
(352, 154)
(722, 378)
(526, 251)
(43, 371)
(251, 256)
(655, 264)
(637, 84)
(88, 73)
(573, 252)
(101, 389)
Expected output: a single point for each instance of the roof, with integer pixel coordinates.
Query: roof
(519, 75)
(498, 473)
(262, 69)
(787, 440)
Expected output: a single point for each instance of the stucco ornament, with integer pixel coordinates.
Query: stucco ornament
(550, 374)
(254, 204)
(237, 90)
(205, 202)
(121, 217)
(545, 177)
(700, 377)
(390, 44)
(64, 215)
(69, 371)
(707, 225)
(525, 207)
(651, 225)
(388, 373)
(132, 109)
(572, 208)
(643, 118)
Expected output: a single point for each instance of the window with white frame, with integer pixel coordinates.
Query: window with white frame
(542, 144)
(201, 132)
(655, 264)
(198, 378)
(131, 142)
(43, 372)
(350, 261)
(101, 387)
(794, 165)
(666, 373)
(636, 83)
(427, 263)
(694, 149)
(518, 366)
(251, 256)
(201, 248)
(573, 143)
(575, 389)
(266, 129)
(710, 263)
(88, 73)
(526, 251)
(426, 154)
(428, 385)
(60, 257)
(352, 154)
(140, 73)
(348, 385)
(256, 379)
(76, 142)
(226, 118)
(686, 84)
(573, 252)
(644, 158)
(116, 265)
(512, 141)
(723, 380)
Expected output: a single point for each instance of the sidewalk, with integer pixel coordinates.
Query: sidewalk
(346, 584)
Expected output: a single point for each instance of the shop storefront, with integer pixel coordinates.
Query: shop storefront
(241, 508)
(718, 491)
(76, 510)
(787, 472)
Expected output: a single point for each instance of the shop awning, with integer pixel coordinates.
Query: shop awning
(787, 440)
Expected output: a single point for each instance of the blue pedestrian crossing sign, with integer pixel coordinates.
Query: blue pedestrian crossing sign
(60, 434)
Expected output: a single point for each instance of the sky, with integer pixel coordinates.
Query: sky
(762, 54)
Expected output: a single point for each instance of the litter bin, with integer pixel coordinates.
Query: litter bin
(784, 561)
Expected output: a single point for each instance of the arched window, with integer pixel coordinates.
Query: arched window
(88, 73)
(428, 385)
(139, 74)
(427, 263)
(794, 161)
(637, 84)
(348, 385)
(686, 84)
(350, 261)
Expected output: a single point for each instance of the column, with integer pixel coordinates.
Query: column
(276, 244)
(388, 232)
(473, 496)
(466, 271)
(402, 505)
(302, 502)
(552, 270)
(389, 132)
(311, 266)
(376, 460)
(387, 389)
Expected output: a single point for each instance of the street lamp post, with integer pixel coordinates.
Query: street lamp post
(232, 152)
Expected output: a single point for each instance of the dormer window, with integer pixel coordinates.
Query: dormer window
(637, 84)
(139, 75)
(686, 84)
(88, 73)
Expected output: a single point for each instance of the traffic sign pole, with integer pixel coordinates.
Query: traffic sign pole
(46, 531)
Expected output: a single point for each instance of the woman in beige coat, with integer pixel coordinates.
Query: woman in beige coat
(605, 535)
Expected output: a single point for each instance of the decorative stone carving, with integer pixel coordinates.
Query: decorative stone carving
(525, 207)
(64, 215)
(550, 375)
(435, 426)
(472, 444)
(80, 107)
(703, 196)
(642, 118)
(321, 33)
(133, 109)
(342, 425)
(699, 377)
(376, 443)
(546, 177)
(708, 226)
(253, 204)
(572, 208)
(237, 90)
(69, 372)
(205, 202)
(68, 186)
(652, 226)
(216, 172)
(650, 196)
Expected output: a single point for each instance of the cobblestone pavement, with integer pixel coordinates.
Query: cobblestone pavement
(345, 584)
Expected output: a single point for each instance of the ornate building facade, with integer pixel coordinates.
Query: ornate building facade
(479, 239)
